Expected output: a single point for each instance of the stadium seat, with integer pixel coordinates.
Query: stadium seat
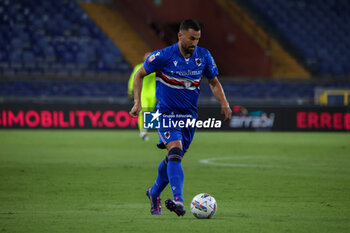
(54, 34)
(318, 30)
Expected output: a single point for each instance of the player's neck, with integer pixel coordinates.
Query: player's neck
(183, 52)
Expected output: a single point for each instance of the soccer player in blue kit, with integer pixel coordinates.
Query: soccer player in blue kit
(179, 69)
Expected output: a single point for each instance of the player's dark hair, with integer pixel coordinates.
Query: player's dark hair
(189, 24)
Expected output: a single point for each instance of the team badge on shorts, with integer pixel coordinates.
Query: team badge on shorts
(167, 134)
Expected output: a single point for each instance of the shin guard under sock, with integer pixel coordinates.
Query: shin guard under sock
(175, 172)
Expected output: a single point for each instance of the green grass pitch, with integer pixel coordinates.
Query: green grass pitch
(95, 181)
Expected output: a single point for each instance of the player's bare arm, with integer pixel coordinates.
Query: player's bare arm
(140, 74)
(219, 94)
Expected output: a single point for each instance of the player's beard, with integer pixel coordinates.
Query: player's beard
(187, 49)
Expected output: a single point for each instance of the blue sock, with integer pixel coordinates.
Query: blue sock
(162, 179)
(175, 172)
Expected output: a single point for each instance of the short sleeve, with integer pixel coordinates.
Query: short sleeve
(211, 70)
(154, 62)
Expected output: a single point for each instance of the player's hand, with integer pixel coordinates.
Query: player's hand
(134, 112)
(227, 112)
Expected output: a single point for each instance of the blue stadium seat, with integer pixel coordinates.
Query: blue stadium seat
(28, 59)
(318, 30)
(60, 36)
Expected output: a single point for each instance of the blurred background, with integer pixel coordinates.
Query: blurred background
(276, 53)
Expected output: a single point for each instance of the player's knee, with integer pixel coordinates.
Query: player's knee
(173, 144)
(175, 154)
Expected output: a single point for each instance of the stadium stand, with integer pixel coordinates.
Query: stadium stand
(41, 38)
(118, 30)
(282, 64)
(318, 30)
(63, 88)
(44, 37)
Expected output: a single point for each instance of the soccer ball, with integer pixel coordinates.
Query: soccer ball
(203, 206)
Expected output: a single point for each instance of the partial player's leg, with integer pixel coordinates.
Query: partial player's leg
(175, 171)
(176, 205)
(176, 177)
(154, 192)
(170, 169)
(160, 183)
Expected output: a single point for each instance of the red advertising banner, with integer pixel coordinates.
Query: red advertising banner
(66, 116)
(323, 120)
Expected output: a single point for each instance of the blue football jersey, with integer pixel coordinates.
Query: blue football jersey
(178, 78)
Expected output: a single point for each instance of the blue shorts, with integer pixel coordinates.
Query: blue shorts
(185, 135)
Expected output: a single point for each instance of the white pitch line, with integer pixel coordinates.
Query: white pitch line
(212, 161)
(238, 162)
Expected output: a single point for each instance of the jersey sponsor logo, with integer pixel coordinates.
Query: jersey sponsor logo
(189, 72)
(175, 63)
